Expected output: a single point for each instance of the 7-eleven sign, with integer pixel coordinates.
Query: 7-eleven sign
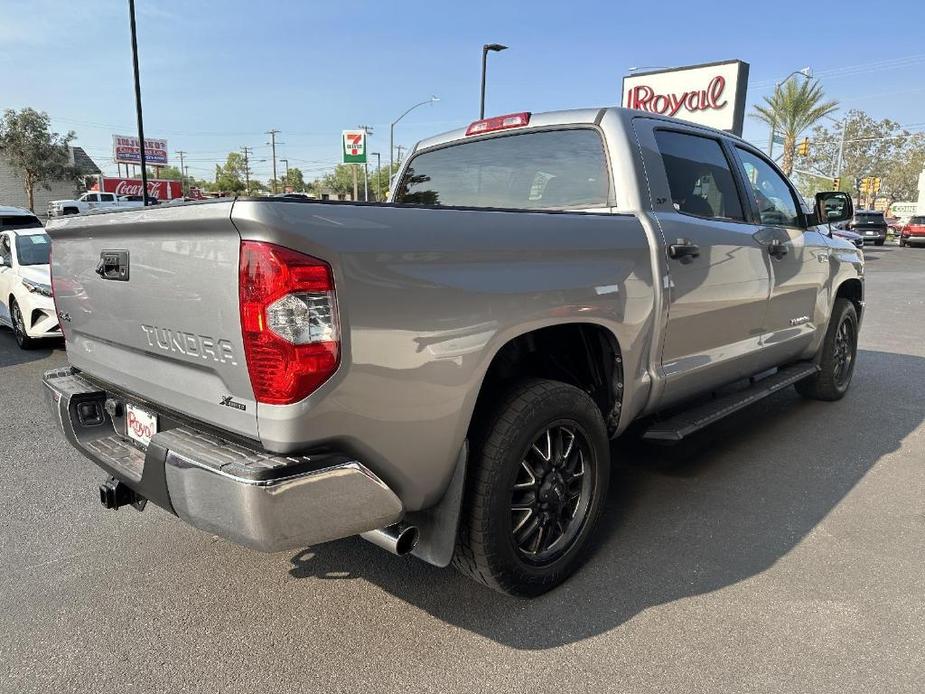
(354, 146)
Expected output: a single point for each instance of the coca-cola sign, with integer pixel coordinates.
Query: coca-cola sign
(712, 94)
(157, 188)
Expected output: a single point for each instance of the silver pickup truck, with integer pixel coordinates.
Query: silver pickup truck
(442, 374)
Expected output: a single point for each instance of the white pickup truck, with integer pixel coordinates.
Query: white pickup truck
(94, 201)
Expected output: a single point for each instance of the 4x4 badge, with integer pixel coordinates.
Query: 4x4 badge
(228, 402)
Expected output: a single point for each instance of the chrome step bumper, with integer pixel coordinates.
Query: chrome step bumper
(249, 496)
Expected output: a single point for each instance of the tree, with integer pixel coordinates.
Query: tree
(341, 179)
(169, 173)
(871, 148)
(379, 181)
(230, 176)
(293, 179)
(793, 108)
(27, 141)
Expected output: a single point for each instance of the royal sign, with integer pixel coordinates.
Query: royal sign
(711, 94)
(125, 150)
(354, 146)
(157, 188)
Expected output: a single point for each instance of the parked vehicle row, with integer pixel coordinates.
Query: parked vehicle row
(96, 201)
(441, 374)
(26, 303)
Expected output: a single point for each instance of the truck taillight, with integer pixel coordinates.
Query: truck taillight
(289, 322)
(487, 125)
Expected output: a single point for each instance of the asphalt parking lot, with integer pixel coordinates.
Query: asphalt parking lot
(782, 551)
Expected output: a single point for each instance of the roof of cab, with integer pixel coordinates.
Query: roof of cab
(565, 117)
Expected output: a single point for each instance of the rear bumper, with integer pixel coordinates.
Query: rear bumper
(249, 496)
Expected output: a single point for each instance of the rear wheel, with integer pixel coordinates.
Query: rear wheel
(880, 242)
(837, 358)
(535, 490)
(19, 327)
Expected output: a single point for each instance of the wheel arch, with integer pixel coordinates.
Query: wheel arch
(585, 354)
(853, 290)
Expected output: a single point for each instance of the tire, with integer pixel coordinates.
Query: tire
(880, 242)
(837, 357)
(70, 210)
(19, 327)
(562, 504)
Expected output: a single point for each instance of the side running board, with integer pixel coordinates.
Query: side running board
(687, 422)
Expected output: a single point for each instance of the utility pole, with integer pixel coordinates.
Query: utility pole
(378, 174)
(141, 125)
(247, 170)
(273, 133)
(400, 148)
(181, 153)
(286, 162)
(368, 129)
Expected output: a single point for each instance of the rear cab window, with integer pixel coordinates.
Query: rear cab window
(541, 170)
(19, 221)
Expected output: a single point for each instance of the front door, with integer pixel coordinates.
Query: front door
(6, 276)
(718, 279)
(798, 258)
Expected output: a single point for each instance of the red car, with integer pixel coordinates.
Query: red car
(913, 233)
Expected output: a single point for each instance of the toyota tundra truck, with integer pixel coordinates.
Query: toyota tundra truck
(442, 373)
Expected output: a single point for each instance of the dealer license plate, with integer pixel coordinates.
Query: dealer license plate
(140, 424)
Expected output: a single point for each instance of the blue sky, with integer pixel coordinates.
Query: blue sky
(217, 75)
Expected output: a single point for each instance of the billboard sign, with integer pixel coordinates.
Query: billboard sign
(712, 94)
(354, 145)
(157, 188)
(125, 150)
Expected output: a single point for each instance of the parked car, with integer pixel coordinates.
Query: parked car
(94, 201)
(26, 305)
(870, 224)
(913, 233)
(442, 374)
(856, 239)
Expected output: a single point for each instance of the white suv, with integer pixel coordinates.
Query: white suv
(26, 304)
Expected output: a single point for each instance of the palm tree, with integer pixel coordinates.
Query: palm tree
(792, 109)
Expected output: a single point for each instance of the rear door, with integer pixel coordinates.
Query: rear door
(149, 303)
(797, 255)
(718, 282)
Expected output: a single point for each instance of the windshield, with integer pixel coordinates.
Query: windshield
(19, 221)
(32, 249)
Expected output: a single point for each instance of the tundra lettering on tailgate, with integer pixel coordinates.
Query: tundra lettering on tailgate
(190, 344)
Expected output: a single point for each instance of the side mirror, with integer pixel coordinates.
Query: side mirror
(833, 207)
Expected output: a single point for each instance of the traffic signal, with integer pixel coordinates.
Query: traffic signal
(803, 147)
(865, 185)
(836, 183)
(876, 184)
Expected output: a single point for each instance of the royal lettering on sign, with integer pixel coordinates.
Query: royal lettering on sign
(644, 98)
(712, 95)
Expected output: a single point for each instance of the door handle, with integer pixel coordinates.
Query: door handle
(776, 249)
(683, 250)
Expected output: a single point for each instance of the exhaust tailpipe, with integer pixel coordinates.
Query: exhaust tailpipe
(398, 539)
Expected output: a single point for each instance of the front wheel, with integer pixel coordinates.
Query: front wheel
(535, 490)
(837, 357)
(19, 327)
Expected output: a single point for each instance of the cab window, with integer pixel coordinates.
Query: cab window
(546, 170)
(773, 195)
(699, 176)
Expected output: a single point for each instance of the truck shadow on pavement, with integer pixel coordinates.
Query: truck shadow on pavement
(11, 354)
(682, 521)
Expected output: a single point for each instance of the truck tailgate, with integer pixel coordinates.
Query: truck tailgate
(148, 301)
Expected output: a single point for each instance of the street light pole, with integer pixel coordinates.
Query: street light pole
(806, 72)
(431, 100)
(273, 133)
(181, 153)
(378, 173)
(286, 162)
(141, 126)
(496, 47)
